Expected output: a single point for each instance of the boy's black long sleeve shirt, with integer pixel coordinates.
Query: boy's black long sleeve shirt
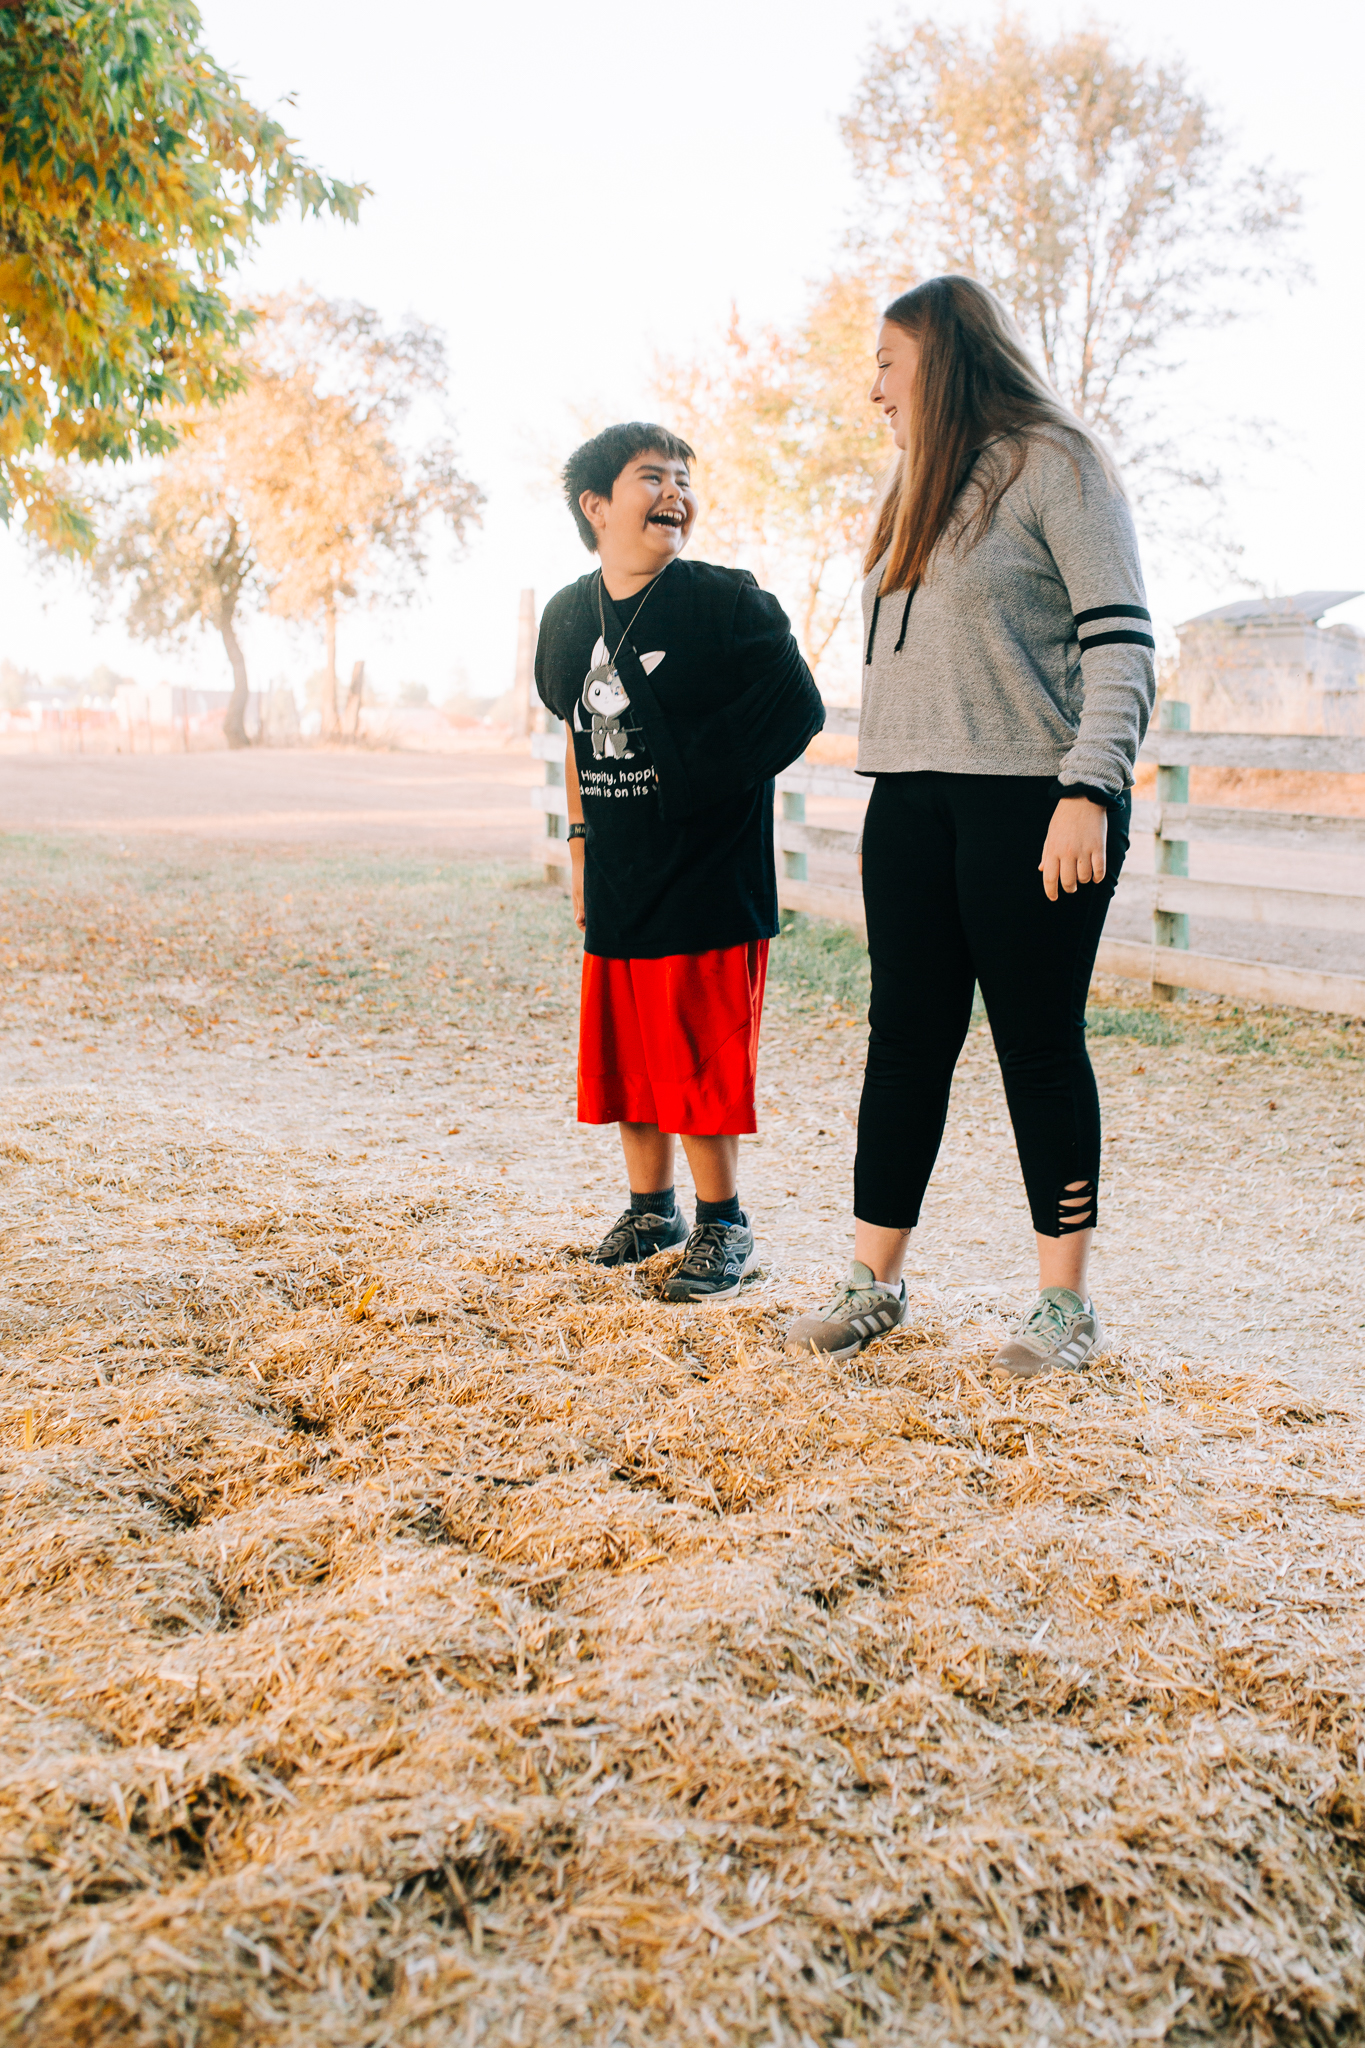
(676, 752)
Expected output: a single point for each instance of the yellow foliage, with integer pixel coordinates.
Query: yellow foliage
(790, 451)
(134, 174)
(300, 489)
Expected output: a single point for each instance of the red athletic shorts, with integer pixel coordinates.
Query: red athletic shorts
(672, 1042)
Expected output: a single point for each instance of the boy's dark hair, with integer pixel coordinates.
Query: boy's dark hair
(597, 464)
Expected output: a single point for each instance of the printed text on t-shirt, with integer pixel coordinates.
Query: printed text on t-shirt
(629, 782)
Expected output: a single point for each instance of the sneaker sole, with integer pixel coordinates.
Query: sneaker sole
(1032, 1366)
(720, 1293)
(810, 1349)
(620, 1265)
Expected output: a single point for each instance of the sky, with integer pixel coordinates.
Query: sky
(570, 192)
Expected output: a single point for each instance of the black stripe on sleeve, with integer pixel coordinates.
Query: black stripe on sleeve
(1113, 611)
(1118, 639)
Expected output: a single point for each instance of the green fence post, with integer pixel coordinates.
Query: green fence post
(794, 812)
(554, 779)
(556, 826)
(1171, 928)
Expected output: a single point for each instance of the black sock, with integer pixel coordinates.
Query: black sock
(662, 1204)
(720, 1212)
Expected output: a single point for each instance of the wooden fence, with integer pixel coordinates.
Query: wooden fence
(1170, 895)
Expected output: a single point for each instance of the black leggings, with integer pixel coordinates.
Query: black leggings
(953, 897)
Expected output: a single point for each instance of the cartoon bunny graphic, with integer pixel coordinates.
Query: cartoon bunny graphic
(605, 699)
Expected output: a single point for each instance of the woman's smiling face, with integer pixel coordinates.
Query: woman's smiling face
(897, 365)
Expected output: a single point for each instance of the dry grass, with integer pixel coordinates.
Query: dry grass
(414, 1635)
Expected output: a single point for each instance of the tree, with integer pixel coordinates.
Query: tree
(16, 684)
(181, 545)
(297, 492)
(1094, 192)
(341, 506)
(789, 450)
(133, 176)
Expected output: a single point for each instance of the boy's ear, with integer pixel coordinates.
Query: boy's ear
(591, 503)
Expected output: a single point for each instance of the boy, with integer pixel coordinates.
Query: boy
(682, 693)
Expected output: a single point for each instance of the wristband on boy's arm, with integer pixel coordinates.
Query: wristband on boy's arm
(578, 831)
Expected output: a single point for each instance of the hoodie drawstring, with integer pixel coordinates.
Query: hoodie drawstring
(872, 629)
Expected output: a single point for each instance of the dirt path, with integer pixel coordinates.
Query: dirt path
(472, 804)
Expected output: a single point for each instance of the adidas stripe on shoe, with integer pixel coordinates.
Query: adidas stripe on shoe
(1060, 1333)
(862, 1310)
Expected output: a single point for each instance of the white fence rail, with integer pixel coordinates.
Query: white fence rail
(1170, 895)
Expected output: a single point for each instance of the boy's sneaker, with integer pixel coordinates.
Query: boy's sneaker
(717, 1258)
(637, 1235)
(1060, 1330)
(863, 1309)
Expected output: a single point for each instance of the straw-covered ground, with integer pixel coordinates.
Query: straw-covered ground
(413, 1635)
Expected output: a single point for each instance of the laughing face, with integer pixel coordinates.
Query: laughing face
(649, 515)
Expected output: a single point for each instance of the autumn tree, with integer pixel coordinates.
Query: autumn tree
(1094, 191)
(789, 451)
(307, 491)
(350, 469)
(16, 684)
(179, 547)
(133, 176)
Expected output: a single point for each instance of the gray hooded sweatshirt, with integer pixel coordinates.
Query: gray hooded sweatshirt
(1030, 653)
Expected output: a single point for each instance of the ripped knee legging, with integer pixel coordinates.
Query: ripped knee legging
(954, 898)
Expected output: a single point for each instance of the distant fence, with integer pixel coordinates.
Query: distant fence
(1171, 895)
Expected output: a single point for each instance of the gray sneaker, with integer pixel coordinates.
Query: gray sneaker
(717, 1258)
(1059, 1331)
(638, 1235)
(863, 1309)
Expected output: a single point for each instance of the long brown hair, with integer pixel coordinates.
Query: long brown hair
(975, 386)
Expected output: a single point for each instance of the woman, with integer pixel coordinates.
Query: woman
(1007, 683)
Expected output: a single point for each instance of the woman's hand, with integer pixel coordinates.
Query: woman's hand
(1075, 845)
(580, 916)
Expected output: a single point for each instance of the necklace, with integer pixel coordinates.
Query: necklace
(610, 663)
